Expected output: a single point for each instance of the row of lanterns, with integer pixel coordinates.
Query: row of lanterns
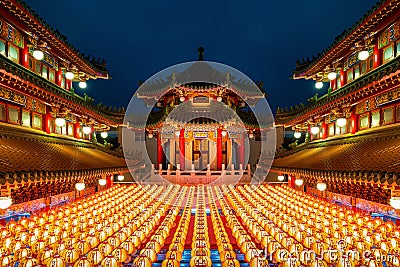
(61, 122)
(321, 186)
(340, 122)
(39, 55)
(362, 55)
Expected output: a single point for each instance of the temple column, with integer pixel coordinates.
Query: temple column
(159, 151)
(219, 149)
(310, 133)
(182, 149)
(342, 78)
(377, 56)
(354, 123)
(110, 181)
(46, 123)
(332, 84)
(24, 55)
(324, 128)
(76, 130)
(241, 150)
(58, 77)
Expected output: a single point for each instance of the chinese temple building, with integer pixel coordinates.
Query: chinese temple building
(351, 139)
(66, 198)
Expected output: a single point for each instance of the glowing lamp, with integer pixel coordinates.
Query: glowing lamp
(332, 75)
(120, 177)
(80, 186)
(104, 135)
(395, 202)
(60, 122)
(299, 182)
(69, 75)
(102, 182)
(177, 133)
(319, 85)
(251, 135)
(363, 55)
(38, 55)
(321, 186)
(87, 129)
(223, 133)
(82, 85)
(182, 98)
(150, 135)
(341, 122)
(219, 99)
(297, 135)
(281, 178)
(315, 130)
(5, 202)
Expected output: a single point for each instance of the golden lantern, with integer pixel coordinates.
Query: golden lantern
(120, 254)
(6, 260)
(307, 257)
(82, 246)
(110, 261)
(259, 261)
(200, 261)
(23, 252)
(142, 261)
(70, 255)
(232, 263)
(55, 261)
(95, 256)
(331, 255)
(29, 262)
(149, 253)
(83, 262)
(45, 254)
(318, 263)
(170, 263)
(174, 255)
(280, 255)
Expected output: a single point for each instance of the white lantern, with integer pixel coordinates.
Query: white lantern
(177, 133)
(182, 98)
(321, 186)
(332, 75)
(5, 202)
(219, 99)
(120, 177)
(102, 182)
(363, 55)
(38, 55)
(223, 133)
(251, 135)
(69, 75)
(80, 186)
(87, 129)
(82, 85)
(150, 135)
(104, 135)
(297, 135)
(60, 122)
(281, 178)
(319, 85)
(341, 122)
(315, 130)
(395, 202)
(299, 182)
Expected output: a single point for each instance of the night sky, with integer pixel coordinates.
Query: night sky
(263, 39)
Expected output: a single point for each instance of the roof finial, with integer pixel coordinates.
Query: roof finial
(201, 53)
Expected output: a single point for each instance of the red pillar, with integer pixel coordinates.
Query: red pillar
(354, 123)
(324, 129)
(333, 84)
(310, 133)
(182, 149)
(342, 78)
(58, 77)
(377, 56)
(46, 123)
(68, 84)
(291, 181)
(219, 149)
(241, 150)
(76, 130)
(24, 55)
(159, 151)
(110, 181)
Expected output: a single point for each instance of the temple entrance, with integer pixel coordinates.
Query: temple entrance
(201, 153)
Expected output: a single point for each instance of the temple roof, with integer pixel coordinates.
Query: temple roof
(373, 151)
(366, 25)
(58, 42)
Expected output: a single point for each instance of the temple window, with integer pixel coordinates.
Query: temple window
(349, 75)
(388, 53)
(13, 114)
(52, 75)
(3, 115)
(37, 121)
(331, 131)
(62, 82)
(388, 115)
(13, 53)
(38, 67)
(341, 130)
(364, 121)
(70, 129)
(26, 118)
(375, 118)
(370, 63)
(356, 72)
(44, 72)
(2, 47)
(31, 64)
(397, 48)
(363, 67)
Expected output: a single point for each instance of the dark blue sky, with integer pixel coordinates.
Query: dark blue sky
(263, 39)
